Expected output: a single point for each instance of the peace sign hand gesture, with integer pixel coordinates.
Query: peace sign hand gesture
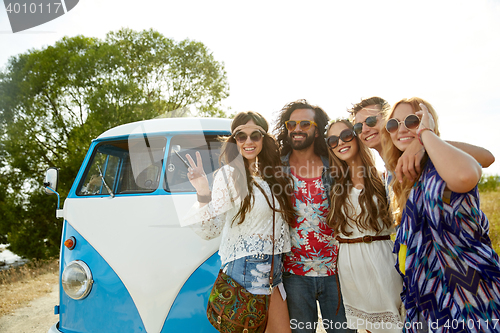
(426, 119)
(197, 176)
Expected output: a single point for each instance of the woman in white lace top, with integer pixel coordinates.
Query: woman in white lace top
(240, 207)
(360, 217)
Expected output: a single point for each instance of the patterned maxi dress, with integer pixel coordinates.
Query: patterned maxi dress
(451, 273)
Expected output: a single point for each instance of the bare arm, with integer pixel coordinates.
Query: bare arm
(459, 170)
(409, 162)
(481, 155)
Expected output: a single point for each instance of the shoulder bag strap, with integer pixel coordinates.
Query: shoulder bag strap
(272, 258)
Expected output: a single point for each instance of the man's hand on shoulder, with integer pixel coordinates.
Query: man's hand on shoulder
(409, 163)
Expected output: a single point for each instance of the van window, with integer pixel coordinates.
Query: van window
(176, 171)
(128, 166)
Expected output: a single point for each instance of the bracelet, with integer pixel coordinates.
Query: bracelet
(419, 134)
(204, 198)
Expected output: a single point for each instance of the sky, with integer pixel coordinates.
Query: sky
(332, 53)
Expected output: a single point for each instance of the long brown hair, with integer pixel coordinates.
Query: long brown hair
(371, 210)
(269, 165)
(400, 192)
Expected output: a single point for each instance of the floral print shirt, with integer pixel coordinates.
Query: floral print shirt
(314, 250)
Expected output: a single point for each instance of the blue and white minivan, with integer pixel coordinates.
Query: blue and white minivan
(126, 265)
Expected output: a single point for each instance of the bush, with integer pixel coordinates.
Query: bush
(489, 183)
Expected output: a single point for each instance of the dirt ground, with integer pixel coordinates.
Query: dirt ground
(36, 317)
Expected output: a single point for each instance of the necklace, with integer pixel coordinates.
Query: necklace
(255, 171)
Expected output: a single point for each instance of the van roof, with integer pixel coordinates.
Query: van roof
(162, 125)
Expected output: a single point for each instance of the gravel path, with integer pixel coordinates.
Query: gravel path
(37, 317)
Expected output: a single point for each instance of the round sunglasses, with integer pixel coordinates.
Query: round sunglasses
(411, 122)
(346, 136)
(304, 124)
(241, 137)
(370, 121)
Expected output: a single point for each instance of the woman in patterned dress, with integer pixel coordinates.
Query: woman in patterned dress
(360, 217)
(240, 208)
(451, 274)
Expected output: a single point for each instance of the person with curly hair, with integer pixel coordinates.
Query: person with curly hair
(310, 269)
(451, 274)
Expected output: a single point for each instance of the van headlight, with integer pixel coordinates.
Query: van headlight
(77, 279)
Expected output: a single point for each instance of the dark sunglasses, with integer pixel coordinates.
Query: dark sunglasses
(304, 124)
(411, 122)
(346, 135)
(370, 121)
(241, 137)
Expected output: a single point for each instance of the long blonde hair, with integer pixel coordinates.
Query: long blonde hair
(391, 154)
(371, 210)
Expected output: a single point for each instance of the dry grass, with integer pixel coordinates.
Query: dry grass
(20, 285)
(19, 293)
(490, 205)
(28, 271)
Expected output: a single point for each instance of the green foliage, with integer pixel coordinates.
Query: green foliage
(5, 209)
(489, 183)
(53, 101)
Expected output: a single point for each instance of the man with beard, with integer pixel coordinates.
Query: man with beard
(310, 269)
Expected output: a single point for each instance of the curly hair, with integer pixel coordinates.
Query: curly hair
(375, 100)
(372, 210)
(280, 183)
(391, 155)
(320, 117)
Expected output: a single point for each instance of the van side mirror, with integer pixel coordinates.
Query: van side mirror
(51, 180)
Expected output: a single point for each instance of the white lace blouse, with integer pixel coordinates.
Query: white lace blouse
(253, 235)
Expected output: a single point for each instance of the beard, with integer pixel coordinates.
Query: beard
(301, 145)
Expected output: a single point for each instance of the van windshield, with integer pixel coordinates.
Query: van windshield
(135, 165)
(176, 171)
(128, 166)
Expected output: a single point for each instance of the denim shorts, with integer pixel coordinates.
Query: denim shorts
(252, 272)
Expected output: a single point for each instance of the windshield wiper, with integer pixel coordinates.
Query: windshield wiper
(104, 182)
(176, 149)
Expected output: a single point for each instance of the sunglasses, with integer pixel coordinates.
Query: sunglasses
(241, 137)
(369, 121)
(346, 136)
(304, 124)
(411, 122)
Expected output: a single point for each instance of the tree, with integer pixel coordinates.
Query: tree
(53, 101)
(6, 207)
